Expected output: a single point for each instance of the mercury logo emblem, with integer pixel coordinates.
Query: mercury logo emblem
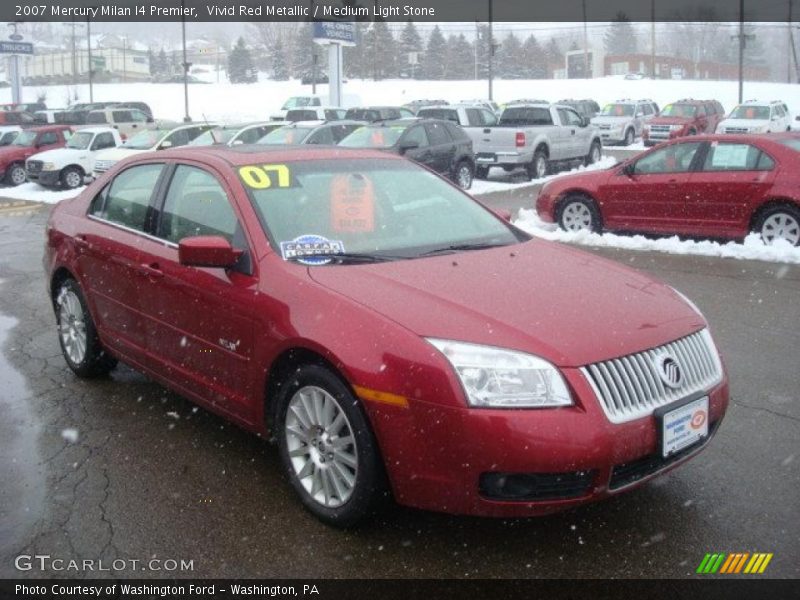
(669, 370)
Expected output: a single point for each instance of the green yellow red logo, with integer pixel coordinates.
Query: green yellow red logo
(735, 563)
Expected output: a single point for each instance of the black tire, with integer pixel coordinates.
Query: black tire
(783, 211)
(369, 477)
(463, 174)
(71, 178)
(575, 205)
(630, 137)
(16, 174)
(481, 172)
(595, 154)
(538, 167)
(95, 362)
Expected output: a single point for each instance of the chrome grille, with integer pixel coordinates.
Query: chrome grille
(604, 126)
(660, 128)
(34, 166)
(630, 387)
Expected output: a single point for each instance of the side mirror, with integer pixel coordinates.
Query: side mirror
(165, 144)
(408, 145)
(211, 251)
(502, 213)
(584, 121)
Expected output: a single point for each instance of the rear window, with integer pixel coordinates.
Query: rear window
(445, 114)
(301, 115)
(526, 115)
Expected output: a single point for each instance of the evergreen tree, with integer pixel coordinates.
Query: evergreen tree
(240, 64)
(619, 37)
(162, 63)
(534, 59)
(410, 42)
(509, 58)
(355, 59)
(433, 65)
(278, 59)
(151, 62)
(380, 49)
(554, 56)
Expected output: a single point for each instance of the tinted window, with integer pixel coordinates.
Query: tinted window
(334, 115)
(456, 132)
(526, 115)
(252, 135)
(342, 131)
(179, 138)
(418, 135)
(122, 116)
(569, 117)
(488, 118)
(96, 117)
(196, 204)
(438, 134)
(50, 137)
(138, 116)
(446, 114)
(129, 196)
(675, 158)
(103, 140)
(301, 115)
(8, 137)
(723, 156)
(321, 136)
(473, 117)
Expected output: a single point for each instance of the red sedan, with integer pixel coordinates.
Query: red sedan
(711, 185)
(383, 328)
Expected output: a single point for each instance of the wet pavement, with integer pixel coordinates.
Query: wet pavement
(120, 468)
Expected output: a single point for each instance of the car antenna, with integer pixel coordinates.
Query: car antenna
(210, 129)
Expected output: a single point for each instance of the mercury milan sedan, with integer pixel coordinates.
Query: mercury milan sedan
(387, 331)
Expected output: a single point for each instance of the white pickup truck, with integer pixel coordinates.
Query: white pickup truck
(68, 166)
(535, 137)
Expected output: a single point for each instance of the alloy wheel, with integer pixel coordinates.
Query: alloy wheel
(576, 217)
(72, 327)
(73, 179)
(781, 226)
(541, 167)
(464, 177)
(17, 175)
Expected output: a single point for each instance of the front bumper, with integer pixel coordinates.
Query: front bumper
(438, 457)
(45, 178)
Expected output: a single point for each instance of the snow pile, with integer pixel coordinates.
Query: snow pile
(498, 180)
(753, 248)
(36, 193)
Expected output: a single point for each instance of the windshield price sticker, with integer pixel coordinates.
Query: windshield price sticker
(266, 176)
(311, 249)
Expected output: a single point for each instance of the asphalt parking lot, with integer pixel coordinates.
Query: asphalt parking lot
(122, 469)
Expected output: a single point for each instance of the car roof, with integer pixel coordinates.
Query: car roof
(247, 154)
(96, 129)
(44, 128)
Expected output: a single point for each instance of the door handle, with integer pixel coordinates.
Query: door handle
(81, 241)
(151, 270)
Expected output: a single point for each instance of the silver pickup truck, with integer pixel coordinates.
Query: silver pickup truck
(535, 136)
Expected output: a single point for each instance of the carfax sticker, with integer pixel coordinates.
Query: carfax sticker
(314, 249)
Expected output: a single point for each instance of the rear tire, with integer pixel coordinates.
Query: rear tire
(77, 334)
(579, 213)
(538, 167)
(779, 222)
(327, 447)
(595, 154)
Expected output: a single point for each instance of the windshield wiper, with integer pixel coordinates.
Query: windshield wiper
(459, 247)
(350, 257)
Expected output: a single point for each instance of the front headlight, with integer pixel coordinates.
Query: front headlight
(676, 127)
(498, 378)
(48, 167)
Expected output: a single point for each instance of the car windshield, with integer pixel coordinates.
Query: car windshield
(144, 140)
(217, 135)
(286, 135)
(80, 140)
(373, 137)
(367, 207)
(750, 112)
(679, 110)
(8, 137)
(617, 110)
(296, 102)
(26, 138)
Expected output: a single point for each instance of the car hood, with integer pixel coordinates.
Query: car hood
(567, 306)
(59, 153)
(670, 121)
(608, 120)
(744, 123)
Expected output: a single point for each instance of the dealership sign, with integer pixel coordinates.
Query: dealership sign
(16, 48)
(338, 32)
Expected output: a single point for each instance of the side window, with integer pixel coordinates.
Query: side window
(779, 110)
(675, 158)
(49, 137)
(701, 110)
(342, 131)
(647, 109)
(316, 102)
(128, 196)
(322, 136)
(488, 118)
(569, 117)
(122, 116)
(723, 156)
(331, 115)
(474, 117)
(138, 116)
(251, 136)
(437, 134)
(179, 138)
(196, 204)
(103, 140)
(417, 134)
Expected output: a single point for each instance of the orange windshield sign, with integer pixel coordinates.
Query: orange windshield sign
(352, 204)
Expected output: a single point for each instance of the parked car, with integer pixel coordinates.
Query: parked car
(473, 119)
(167, 135)
(28, 107)
(311, 132)
(536, 137)
(235, 134)
(295, 102)
(623, 121)
(795, 126)
(757, 117)
(316, 113)
(442, 146)
(69, 166)
(681, 118)
(11, 117)
(415, 105)
(25, 145)
(723, 186)
(77, 113)
(381, 326)
(309, 78)
(371, 114)
(8, 133)
(128, 121)
(46, 116)
(142, 106)
(586, 108)
(635, 76)
(488, 104)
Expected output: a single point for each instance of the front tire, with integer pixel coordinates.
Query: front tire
(630, 137)
(579, 213)
(781, 222)
(327, 447)
(16, 175)
(77, 334)
(71, 178)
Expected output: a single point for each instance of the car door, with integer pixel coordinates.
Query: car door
(652, 195)
(731, 182)
(416, 134)
(198, 321)
(579, 136)
(109, 255)
(49, 140)
(443, 149)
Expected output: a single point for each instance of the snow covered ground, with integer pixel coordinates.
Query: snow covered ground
(751, 249)
(493, 184)
(36, 193)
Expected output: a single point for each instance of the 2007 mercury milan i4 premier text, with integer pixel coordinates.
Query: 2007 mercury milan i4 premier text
(387, 330)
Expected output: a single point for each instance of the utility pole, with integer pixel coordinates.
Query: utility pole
(790, 44)
(124, 59)
(89, 56)
(475, 48)
(74, 56)
(742, 44)
(653, 39)
(491, 51)
(586, 68)
(186, 64)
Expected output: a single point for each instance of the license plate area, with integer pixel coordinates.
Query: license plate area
(682, 424)
(485, 157)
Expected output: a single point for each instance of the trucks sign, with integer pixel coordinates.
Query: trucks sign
(16, 48)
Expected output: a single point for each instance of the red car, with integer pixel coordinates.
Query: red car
(721, 186)
(380, 325)
(25, 145)
(682, 118)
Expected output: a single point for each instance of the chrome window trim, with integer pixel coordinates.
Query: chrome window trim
(132, 230)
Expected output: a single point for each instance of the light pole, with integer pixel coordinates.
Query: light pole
(491, 51)
(186, 64)
(89, 56)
